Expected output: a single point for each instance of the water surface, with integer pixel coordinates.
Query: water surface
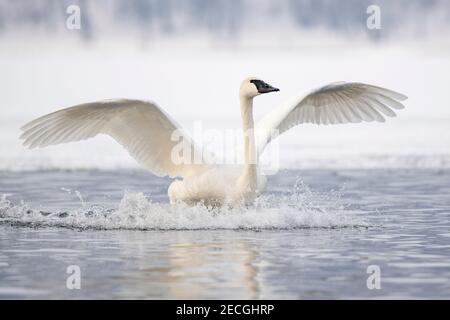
(312, 236)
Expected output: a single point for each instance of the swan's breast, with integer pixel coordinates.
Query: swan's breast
(212, 184)
(217, 184)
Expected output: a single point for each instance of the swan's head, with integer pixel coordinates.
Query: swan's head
(252, 87)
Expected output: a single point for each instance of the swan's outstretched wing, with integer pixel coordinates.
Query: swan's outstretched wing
(141, 127)
(338, 102)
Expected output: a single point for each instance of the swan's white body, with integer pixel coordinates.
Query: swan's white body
(146, 131)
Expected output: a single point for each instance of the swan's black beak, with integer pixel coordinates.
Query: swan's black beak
(263, 87)
(268, 89)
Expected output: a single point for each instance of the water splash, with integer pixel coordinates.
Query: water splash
(300, 208)
(78, 195)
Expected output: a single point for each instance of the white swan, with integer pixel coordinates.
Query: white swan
(146, 131)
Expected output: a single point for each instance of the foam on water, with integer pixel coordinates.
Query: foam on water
(300, 208)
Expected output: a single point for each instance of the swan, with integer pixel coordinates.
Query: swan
(146, 132)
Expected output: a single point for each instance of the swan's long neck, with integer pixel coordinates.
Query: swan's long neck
(249, 174)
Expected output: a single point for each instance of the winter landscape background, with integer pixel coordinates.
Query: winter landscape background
(190, 56)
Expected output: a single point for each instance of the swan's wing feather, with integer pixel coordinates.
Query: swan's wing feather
(139, 126)
(339, 102)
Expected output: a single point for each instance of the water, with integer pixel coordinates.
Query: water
(312, 236)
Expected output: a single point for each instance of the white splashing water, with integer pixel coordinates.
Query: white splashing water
(301, 208)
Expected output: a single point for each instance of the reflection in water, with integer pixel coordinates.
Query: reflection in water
(194, 267)
(226, 264)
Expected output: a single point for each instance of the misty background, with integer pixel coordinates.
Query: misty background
(190, 57)
(230, 20)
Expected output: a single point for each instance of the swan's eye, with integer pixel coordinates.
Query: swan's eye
(259, 84)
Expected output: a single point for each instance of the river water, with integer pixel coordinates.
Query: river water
(316, 234)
